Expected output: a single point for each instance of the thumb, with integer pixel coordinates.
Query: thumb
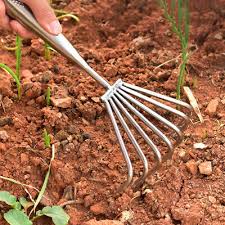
(45, 15)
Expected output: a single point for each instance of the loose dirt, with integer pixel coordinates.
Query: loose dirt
(119, 39)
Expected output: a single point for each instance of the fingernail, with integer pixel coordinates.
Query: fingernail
(55, 27)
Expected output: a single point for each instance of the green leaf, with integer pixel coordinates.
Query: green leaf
(26, 205)
(16, 217)
(8, 198)
(58, 215)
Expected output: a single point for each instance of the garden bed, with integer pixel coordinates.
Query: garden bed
(119, 39)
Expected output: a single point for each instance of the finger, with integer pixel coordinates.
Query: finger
(4, 19)
(20, 30)
(45, 15)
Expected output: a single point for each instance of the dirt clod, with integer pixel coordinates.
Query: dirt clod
(192, 167)
(4, 136)
(212, 106)
(99, 208)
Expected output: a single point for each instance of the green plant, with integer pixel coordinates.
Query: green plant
(48, 96)
(18, 214)
(47, 139)
(18, 55)
(180, 27)
(14, 76)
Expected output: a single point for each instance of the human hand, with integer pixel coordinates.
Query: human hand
(43, 13)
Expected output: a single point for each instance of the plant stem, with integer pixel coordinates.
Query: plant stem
(14, 76)
(18, 55)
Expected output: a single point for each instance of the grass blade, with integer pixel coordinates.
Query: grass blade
(18, 55)
(44, 186)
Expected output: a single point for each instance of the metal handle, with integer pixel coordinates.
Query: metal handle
(23, 14)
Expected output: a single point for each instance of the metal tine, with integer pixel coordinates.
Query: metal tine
(157, 95)
(159, 104)
(156, 152)
(123, 149)
(147, 123)
(155, 115)
(133, 140)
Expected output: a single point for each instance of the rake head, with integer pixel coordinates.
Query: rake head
(125, 105)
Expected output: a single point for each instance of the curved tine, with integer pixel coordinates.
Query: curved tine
(146, 122)
(160, 96)
(159, 104)
(156, 152)
(122, 147)
(133, 140)
(155, 115)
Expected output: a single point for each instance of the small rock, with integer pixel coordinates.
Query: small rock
(46, 77)
(127, 216)
(7, 102)
(212, 106)
(99, 208)
(192, 167)
(64, 103)
(83, 98)
(62, 135)
(95, 99)
(205, 168)
(4, 136)
(200, 146)
(212, 199)
(86, 136)
(218, 36)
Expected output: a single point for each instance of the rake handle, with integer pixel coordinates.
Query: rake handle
(23, 14)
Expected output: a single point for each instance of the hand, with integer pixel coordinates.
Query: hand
(43, 13)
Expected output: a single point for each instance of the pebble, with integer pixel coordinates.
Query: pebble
(205, 168)
(99, 208)
(212, 199)
(212, 106)
(4, 136)
(7, 102)
(192, 167)
(218, 36)
(95, 99)
(63, 103)
(62, 135)
(5, 121)
(200, 146)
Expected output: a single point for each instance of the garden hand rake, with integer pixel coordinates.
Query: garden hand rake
(121, 99)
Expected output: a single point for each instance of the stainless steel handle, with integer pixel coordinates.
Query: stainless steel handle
(23, 14)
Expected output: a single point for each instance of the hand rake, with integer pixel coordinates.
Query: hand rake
(124, 103)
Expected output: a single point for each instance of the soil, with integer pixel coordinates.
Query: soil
(119, 39)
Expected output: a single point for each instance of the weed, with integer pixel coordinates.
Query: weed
(18, 214)
(18, 55)
(47, 139)
(181, 29)
(14, 76)
(48, 96)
